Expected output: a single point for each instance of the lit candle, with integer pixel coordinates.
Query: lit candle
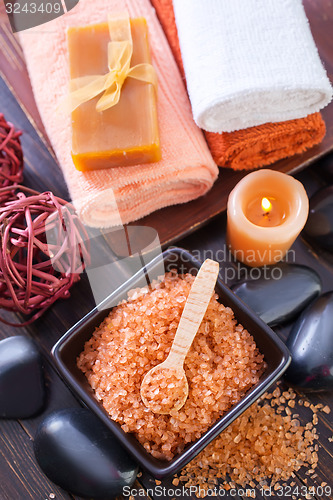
(266, 212)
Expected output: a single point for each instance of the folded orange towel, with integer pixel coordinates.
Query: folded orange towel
(255, 146)
(186, 170)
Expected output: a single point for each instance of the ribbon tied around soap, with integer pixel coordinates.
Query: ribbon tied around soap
(120, 50)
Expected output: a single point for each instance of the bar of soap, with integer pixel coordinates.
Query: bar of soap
(127, 133)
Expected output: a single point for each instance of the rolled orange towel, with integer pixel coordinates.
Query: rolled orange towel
(255, 146)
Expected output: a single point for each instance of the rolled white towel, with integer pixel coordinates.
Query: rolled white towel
(249, 62)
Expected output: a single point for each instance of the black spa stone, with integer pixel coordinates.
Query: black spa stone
(311, 345)
(281, 293)
(318, 230)
(21, 378)
(77, 452)
(325, 168)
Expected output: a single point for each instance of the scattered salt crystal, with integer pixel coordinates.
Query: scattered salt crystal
(245, 443)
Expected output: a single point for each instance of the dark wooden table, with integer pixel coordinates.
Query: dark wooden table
(20, 476)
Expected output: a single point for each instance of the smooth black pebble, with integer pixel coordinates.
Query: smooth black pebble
(77, 452)
(22, 389)
(319, 227)
(311, 346)
(282, 299)
(325, 168)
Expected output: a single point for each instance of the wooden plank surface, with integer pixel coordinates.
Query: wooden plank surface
(186, 218)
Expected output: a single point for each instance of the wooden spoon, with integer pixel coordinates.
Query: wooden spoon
(164, 388)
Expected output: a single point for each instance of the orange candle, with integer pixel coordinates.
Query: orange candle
(266, 212)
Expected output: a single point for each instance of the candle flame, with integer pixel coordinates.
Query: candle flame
(266, 204)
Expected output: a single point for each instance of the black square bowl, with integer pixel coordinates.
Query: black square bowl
(67, 349)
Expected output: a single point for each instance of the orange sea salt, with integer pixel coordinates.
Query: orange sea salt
(164, 390)
(261, 447)
(221, 366)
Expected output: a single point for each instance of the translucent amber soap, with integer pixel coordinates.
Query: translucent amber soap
(127, 133)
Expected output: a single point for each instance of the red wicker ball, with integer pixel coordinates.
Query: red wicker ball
(11, 157)
(37, 269)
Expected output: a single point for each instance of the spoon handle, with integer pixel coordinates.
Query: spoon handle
(193, 313)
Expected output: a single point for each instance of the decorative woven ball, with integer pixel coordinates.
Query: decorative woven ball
(11, 157)
(44, 248)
